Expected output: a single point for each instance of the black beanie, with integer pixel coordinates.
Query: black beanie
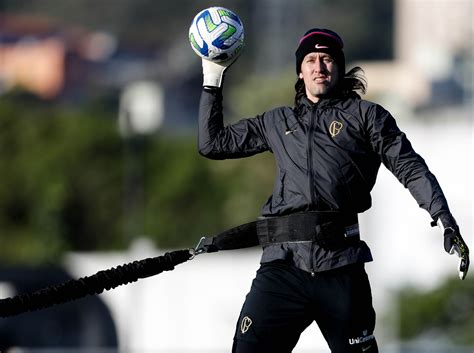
(321, 40)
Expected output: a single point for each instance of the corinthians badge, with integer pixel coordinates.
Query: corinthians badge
(245, 324)
(335, 128)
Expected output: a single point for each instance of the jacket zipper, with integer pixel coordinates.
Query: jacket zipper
(310, 157)
(312, 191)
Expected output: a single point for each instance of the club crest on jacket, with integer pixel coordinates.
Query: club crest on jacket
(335, 128)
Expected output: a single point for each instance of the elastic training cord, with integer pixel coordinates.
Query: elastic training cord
(95, 284)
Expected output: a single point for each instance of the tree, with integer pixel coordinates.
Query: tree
(445, 313)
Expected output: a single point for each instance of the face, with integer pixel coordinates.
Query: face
(320, 74)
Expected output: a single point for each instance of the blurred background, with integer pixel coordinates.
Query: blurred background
(99, 166)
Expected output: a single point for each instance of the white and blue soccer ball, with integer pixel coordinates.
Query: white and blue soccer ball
(216, 34)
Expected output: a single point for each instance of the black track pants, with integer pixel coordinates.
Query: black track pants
(284, 300)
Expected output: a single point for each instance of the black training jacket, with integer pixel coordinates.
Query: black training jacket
(327, 159)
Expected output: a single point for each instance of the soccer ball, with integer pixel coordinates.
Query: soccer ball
(216, 34)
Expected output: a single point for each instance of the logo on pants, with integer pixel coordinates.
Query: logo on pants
(245, 324)
(361, 339)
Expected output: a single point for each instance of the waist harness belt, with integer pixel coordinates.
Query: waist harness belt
(330, 230)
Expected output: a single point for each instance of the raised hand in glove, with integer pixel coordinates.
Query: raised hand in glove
(453, 242)
(213, 72)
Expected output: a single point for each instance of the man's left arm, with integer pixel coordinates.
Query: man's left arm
(398, 155)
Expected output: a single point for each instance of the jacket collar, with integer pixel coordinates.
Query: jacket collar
(328, 101)
(321, 103)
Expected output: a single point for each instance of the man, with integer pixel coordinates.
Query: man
(328, 149)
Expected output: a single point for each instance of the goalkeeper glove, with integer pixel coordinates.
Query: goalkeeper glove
(453, 241)
(213, 72)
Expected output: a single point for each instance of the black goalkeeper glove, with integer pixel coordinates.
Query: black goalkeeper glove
(453, 241)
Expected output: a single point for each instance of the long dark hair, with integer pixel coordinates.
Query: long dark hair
(353, 81)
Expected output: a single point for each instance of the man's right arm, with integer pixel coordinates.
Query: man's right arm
(216, 141)
(241, 139)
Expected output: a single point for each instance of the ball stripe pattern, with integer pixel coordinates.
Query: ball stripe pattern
(216, 34)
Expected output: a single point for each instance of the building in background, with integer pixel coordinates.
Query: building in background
(434, 55)
(56, 61)
(32, 56)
